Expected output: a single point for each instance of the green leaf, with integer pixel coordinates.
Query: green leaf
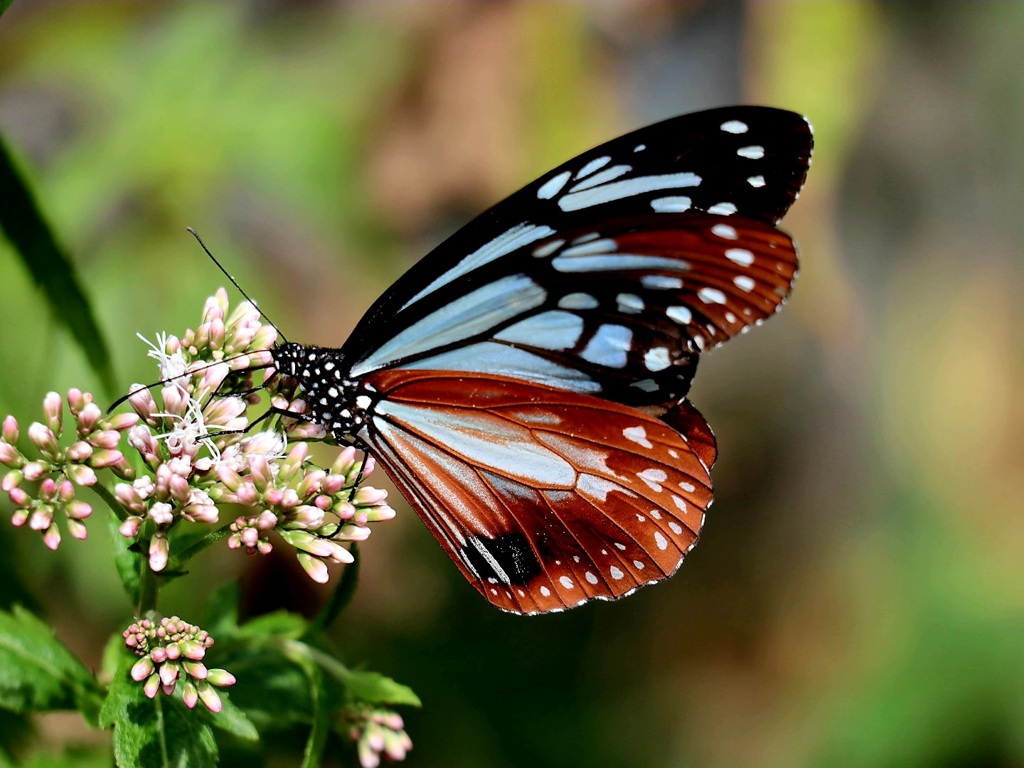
(154, 733)
(322, 713)
(375, 688)
(231, 719)
(22, 222)
(276, 624)
(127, 559)
(37, 672)
(4, 5)
(270, 689)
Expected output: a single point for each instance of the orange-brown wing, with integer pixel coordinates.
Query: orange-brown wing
(543, 498)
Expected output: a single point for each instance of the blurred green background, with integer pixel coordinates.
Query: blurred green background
(858, 595)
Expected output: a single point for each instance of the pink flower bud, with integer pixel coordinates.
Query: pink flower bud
(352, 533)
(158, 552)
(189, 695)
(307, 516)
(261, 343)
(310, 484)
(78, 510)
(89, 418)
(379, 513)
(194, 669)
(345, 461)
(44, 439)
(77, 400)
(168, 672)
(53, 411)
(19, 497)
(130, 527)
(79, 452)
(209, 697)
(266, 521)
(314, 568)
(345, 510)
(369, 464)
(106, 458)
(289, 499)
(80, 474)
(78, 530)
(105, 438)
(152, 686)
(159, 655)
(141, 400)
(273, 496)
(9, 456)
(261, 474)
(10, 430)
(368, 496)
(220, 677)
(35, 470)
(52, 538)
(12, 480)
(161, 513)
(332, 484)
(48, 490)
(142, 669)
(175, 401)
(123, 421)
(41, 518)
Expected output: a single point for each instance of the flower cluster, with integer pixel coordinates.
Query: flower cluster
(172, 651)
(57, 470)
(379, 732)
(192, 454)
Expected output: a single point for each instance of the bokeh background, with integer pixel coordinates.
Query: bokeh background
(858, 595)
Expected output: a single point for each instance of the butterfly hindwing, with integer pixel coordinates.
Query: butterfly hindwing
(543, 498)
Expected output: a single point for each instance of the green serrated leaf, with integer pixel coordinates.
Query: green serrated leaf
(375, 688)
(154, 733)
(37, 672)
(276, 624)
(231, 719)
(22, 222)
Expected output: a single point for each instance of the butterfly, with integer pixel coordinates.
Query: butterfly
(524, 384)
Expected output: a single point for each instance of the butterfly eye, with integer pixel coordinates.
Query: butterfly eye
(524, 385)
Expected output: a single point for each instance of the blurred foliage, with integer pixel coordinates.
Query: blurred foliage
(858, 597)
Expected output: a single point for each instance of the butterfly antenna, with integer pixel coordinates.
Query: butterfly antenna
(233, 281)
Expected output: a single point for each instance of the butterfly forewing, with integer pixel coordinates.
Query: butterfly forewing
(543, 498)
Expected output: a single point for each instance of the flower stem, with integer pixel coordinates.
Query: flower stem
(149, 586)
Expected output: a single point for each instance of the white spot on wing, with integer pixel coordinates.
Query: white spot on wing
(630, 303)
(722, 209)
(725, 231)
(654, 478)
(553, 186)
(756, 181)
(617, 190)
(734, 126)
(606, 245)
(545, 592)
(657, 359)
(592, 166)
(676, 527)
(637, 435)
(661, 282)
(566, 582)
(753, 152)
(577, 301)
(740, 256)
(616, 573)
(743, 282)
(601, 178)
(608, 346)
(681, 315)
(591, 577)
(549, 330)
(548, 248)
(711, 296)
(660, 540)
(676, 204)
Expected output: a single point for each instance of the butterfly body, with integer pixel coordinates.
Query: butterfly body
(524, 384)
